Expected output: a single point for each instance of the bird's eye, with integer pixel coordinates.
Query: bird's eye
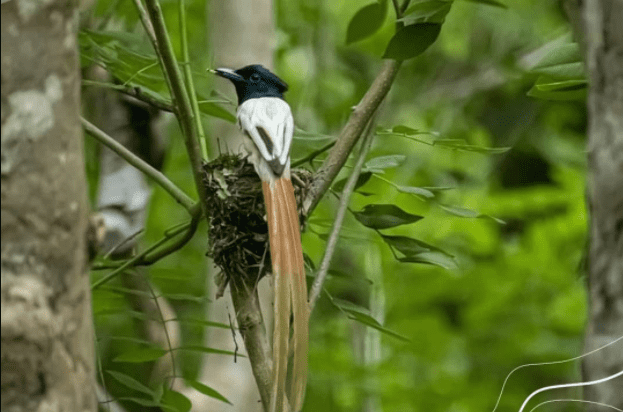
(255, 77)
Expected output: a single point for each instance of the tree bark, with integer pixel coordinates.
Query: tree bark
(47, 330)
(603, 37)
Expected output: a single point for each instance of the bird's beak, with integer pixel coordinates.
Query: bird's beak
(228, 74)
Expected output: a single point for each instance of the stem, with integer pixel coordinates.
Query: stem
(310, 157)
(136, 92)
(251, 327)
(141, 257)
(350, 134)
(339, 218)
(179, 93)
(177, 193)
(189, 79)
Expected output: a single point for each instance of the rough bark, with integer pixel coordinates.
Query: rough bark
(47, 331)
(603, 36)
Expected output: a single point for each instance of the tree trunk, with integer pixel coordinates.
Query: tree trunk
(47, 330)
(603, 37)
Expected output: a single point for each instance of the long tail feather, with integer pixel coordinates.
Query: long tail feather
(299, 304)
(290, 293)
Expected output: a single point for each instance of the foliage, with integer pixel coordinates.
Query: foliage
(473, 191)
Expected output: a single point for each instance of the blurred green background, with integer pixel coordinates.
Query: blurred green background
(516, 292)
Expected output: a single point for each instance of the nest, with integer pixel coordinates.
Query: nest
(238, 233)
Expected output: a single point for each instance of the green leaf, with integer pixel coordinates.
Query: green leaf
(548, 88)
(563, 86)
(460, 144)
(494, 3)
(205, 349)
(131, 383)
(417, 251)
(564, 61)
(367, 21)
(141, 355)
(384, 162)
(176, 401)
(206, 390)
(420, 191)
(463, 212)
(562, 76)
(361, 180)
(186, 297)
(405, 130)
(427, 11)
(349, 276)
(140, 401)
(125, 62)
(212, 109)
(431, 258)
(379, 216)
(411, 41)
(362, 315)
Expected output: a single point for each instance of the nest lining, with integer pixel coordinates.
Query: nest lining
(238, 233)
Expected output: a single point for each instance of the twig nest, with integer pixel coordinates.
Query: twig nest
(238, 233)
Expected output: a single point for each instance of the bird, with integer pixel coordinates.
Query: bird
(266, 120)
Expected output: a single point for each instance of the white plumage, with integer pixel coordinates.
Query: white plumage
(269, 124)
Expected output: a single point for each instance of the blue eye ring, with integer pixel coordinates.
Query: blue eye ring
(255, 78)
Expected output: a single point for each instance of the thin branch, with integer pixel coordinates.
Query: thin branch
(251, 327)
(397, 9)
(136, 92)
(310, 157)
(189, 79)
(179, 93)
(149, 29)
(177, 193)
(154, 253)
(350, 133)
(144, 258)
(339, 218)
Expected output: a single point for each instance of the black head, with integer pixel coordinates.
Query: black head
(254, 81)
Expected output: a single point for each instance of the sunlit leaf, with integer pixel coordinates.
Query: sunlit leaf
(362, 315)
(380, 216)
(367, 21)
(141, 355)
(206, 390)
(131, 383)
(411, 41)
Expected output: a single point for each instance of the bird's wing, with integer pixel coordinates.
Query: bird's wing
(268, 121)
